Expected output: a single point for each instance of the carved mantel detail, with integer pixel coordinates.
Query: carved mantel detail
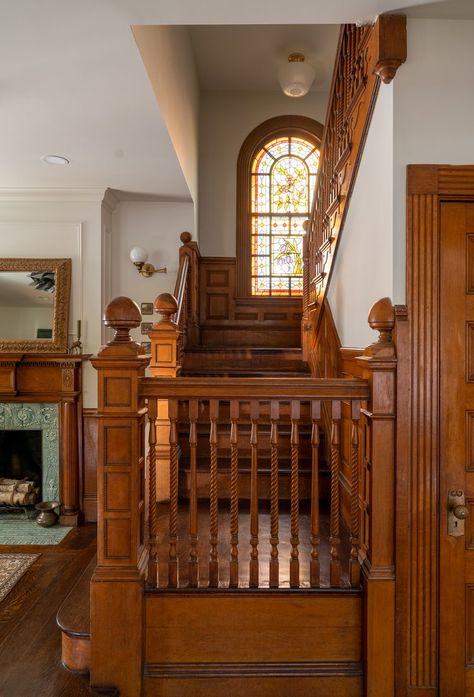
(51, 380)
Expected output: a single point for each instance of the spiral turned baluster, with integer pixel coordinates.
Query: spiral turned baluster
(274, 513)
(355, 509)
(173, 522)
(213, 500)
(234, 496)
(295, 497)
(334, 538)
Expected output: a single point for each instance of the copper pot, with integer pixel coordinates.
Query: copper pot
(47, 515)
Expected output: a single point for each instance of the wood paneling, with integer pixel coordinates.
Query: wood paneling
(229, 320)
(288, 622)
(89, 477)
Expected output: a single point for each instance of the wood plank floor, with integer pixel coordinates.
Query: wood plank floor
(30, 641)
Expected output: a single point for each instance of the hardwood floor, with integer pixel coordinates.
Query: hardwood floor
(30, 641)
(244, 545)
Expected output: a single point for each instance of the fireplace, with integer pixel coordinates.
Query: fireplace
(20, 467)
(42, 392)
(29, 446)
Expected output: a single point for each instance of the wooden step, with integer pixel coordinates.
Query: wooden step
(73, 619)
(252, 361)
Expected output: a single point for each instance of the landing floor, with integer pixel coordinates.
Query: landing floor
(264, 546)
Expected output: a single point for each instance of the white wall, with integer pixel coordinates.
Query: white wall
(169, 60)
(47, 224)
(226, 119)
(433, 112)
(363, 271)
(157, 227)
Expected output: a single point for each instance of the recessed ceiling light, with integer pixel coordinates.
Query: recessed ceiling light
(55, 160)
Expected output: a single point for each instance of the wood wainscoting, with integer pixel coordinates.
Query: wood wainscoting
(230, 321)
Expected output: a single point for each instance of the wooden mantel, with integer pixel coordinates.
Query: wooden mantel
(53, 377)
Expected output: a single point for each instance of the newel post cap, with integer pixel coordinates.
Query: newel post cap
(382, 319)
(185, 237)
(122, 314)
(166, 305)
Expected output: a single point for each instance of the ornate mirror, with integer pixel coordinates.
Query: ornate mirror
(34, 305)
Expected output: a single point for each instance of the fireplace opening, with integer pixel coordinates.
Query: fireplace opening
(20, 467)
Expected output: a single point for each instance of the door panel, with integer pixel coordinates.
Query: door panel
(457, 449)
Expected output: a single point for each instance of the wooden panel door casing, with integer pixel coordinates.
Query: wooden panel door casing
(456, 635)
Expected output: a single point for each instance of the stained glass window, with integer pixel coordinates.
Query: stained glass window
(281, 189)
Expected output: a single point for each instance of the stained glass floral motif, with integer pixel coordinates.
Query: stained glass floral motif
(283, 177)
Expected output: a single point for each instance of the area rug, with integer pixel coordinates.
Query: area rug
(28, 532)
(12, 568)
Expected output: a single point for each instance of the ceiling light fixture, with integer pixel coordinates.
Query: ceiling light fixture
(296, 76)
(55, 160)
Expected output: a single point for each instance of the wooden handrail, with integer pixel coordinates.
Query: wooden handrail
(366, 55)
(180, 289)
(254, 388)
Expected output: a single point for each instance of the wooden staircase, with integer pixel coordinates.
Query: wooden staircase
(256, 361)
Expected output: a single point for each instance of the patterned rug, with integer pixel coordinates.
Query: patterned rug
(12, 568)
(28, 532)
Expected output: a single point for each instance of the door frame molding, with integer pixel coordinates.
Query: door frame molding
(418, 433)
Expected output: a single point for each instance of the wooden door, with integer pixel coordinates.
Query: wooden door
(456, 629)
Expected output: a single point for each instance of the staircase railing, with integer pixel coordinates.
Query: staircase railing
(186, 293)
(366, 55)
(270, 404)
(363, 415)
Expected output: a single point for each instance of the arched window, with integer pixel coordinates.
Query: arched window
(277, 171)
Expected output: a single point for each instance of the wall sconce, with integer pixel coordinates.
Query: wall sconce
(296, 76)
(138, 256)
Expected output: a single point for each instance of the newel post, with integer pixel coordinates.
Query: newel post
(164, 337)
(379, 365)
(117, 595)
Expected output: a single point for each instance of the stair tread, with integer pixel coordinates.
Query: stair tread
(244, 349)
(73, 616)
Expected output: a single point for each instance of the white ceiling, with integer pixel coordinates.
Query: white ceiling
(248, 57)
(446, 9)
(72, 83)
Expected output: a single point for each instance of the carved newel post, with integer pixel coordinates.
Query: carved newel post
(117, 598)
(164, 338)
(379, 365)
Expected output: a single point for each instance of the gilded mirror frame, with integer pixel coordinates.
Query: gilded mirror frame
(62, 293)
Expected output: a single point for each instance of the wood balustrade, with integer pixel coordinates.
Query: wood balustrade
(219, 409)
(366, 56)
(217, 540)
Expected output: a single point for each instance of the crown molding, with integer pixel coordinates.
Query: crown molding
(49, 195)
(110, 200)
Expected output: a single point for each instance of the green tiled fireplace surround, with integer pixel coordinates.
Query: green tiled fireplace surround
(42, 417)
